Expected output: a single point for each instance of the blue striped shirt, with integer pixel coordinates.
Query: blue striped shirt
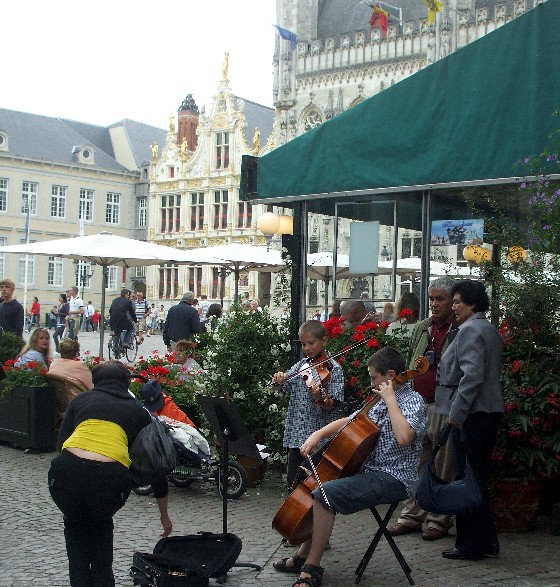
(304, 417)
(398, 461)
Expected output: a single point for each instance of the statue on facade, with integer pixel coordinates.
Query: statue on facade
(172, 123)
(225, 66)
(257, 140)
(155, 150)
(185, 149)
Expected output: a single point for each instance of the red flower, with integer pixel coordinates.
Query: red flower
(32, 365)
(384, 324)
(372, 343)
(354, 381)
(358, 337)
(406, 313)
(341, 359)
(516, 365)
(356, 363)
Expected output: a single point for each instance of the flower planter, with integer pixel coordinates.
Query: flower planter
(255, 469)
(515, 503)
(27, 418)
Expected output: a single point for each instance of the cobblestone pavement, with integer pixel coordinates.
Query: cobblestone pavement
(33, 552)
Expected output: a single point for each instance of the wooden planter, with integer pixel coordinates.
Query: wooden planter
(27, 418)
(515, 503)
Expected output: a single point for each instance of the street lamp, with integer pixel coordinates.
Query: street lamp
(83, 273)
(271, 224)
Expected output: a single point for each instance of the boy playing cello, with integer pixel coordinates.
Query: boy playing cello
(389, 473)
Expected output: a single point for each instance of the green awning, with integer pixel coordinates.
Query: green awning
(468, 117)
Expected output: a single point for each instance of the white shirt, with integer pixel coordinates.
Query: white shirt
(75, 305)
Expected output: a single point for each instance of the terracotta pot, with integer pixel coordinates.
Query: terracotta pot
(255, 469)
(515, 503)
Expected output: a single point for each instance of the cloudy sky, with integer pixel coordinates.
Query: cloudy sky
(105, 60)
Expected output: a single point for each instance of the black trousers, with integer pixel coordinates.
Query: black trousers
(89, 493)
(476, 531)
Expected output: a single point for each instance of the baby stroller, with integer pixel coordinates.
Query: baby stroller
(195, 463)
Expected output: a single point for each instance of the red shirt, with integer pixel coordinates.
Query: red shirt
(425, 384)
(171, 410)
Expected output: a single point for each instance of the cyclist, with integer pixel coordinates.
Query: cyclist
(123, 317)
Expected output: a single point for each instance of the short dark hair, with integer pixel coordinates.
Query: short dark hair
(387, 359)
(473, 293)
(313, 328)
(114, 370)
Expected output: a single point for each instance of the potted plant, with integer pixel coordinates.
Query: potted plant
(241, 354)
(27, 407)
(168, 372)
(352, 349)
(525, 277)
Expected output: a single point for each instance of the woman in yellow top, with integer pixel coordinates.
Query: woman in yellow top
(90, 480)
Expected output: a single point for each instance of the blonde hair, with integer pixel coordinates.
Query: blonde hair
(32, 345)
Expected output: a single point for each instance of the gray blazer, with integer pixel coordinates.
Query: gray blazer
(469, 371)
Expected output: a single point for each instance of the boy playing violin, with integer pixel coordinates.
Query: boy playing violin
(315, 397)
(389, 473)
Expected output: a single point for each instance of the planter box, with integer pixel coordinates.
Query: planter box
(27, 418)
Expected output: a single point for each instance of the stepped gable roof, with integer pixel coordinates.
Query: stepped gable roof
(345, 16)
(140, 137)
(256, 115)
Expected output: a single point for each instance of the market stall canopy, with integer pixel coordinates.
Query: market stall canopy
(464, 120)
(106, 249)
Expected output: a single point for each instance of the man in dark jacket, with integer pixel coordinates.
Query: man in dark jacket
(11, 311)
(182, 322)
(122, 317)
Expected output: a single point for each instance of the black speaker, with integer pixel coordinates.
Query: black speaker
(248, 189)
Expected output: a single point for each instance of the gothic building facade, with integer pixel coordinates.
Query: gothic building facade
(339, 61)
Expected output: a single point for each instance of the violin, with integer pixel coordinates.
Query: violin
(318, 370)
(342, 456)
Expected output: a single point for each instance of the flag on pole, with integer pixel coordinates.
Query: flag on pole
(433, 7)
(287, 35)
(379, 18)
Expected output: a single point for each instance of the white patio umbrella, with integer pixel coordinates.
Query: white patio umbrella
(321, 266)
(237, 257)
(106, 249)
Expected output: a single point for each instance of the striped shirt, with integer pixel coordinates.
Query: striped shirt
(141, 308)
(304, 417)
(398, 461)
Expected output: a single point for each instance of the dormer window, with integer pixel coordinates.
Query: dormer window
(4, 143)
(84, 154)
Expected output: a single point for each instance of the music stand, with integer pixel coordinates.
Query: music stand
(226, 422)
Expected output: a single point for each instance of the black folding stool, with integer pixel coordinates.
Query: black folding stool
(382, 531)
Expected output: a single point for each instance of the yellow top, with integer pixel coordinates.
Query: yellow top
(103, 437)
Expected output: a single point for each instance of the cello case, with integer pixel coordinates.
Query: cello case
(186, 561)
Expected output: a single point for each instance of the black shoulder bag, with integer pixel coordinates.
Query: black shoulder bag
(152, 453)
(449, 498)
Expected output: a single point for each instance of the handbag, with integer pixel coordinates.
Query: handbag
(442, 497)
(152, 453)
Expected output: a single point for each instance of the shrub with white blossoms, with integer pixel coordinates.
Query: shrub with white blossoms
(241, 355)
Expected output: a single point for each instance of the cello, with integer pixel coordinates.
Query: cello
(342, 456)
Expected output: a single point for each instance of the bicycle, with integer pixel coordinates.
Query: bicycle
(118, 350)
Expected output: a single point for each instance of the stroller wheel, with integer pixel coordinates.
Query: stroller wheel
(236, 481)
(143, 490)
(180, 480)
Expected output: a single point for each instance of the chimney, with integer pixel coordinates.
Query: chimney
(188, 122)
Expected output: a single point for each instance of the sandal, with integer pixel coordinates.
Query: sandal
(297, 564)
(315, 576)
